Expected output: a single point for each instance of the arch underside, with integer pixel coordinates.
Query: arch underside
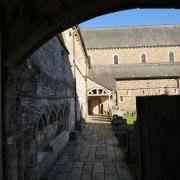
(29, 24)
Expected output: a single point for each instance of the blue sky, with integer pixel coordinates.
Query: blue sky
(135, 17)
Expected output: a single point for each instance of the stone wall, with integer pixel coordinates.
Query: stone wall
(79, 66)
(133, 55)
(39, 111)
(128, 91)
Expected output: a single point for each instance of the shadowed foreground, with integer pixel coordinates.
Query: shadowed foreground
(95, 155)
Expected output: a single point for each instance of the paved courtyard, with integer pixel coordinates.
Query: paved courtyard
(94, 156)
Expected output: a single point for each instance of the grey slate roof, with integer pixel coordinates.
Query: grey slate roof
(106, 75)
(124, 37)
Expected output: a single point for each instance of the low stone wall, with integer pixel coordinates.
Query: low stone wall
(47, 159)
(39, 111)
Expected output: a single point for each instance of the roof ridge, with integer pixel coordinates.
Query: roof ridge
(124, 27)
(132, 37)
(140, 64)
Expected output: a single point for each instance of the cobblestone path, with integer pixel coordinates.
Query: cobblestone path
(94, 156)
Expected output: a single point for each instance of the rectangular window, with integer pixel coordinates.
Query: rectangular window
(121, 98)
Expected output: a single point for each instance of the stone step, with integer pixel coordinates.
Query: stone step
(106, 117)
(99, 118)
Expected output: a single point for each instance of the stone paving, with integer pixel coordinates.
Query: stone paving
(94, 156)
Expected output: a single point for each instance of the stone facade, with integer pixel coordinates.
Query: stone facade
(79, 66)
(143, 46)
(43, 102)
(128, 91)
(133, 55)
(39, 113)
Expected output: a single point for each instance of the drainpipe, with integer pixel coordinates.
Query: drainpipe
(74, 69)
(116, 98)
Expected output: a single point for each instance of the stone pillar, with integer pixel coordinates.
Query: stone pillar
(1, 177)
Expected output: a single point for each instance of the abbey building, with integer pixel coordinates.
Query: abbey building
(133, 61)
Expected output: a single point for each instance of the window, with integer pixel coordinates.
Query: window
(121, 98)
(97, 92)
(40, 125)
(129, 93)
(176, 91)
(143, 58)
(94, 91)
(52, 117)
(44, 120)
(89, 61)
(115, 59)
(171, 57)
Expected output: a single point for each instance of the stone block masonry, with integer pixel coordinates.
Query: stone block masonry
(132, 55)
(39, 111)
(94, 156)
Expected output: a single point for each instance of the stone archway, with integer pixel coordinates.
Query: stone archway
(98, 101)
(29, 24)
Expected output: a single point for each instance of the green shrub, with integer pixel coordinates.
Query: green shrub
(130, 119)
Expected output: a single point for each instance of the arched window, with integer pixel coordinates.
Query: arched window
(60, 115)
(115, 59)
(52, 117)
(60, 119)
(40, 125)
(89, 61)
(143, 58)
(171, 57)
(97, 92)
(44, 120)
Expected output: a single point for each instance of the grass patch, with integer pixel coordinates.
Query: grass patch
(133, 168)
(130, 119)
